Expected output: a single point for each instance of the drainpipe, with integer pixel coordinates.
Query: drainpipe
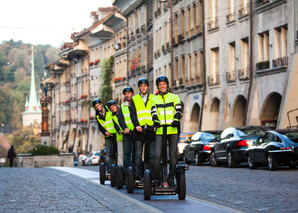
(250, 61)
(204, 65)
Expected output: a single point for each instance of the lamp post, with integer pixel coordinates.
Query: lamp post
(44, 100)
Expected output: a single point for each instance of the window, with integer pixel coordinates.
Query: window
(176, 28)
(176, 69)
(231, 11)
(182, 74)
(182, 20)
(214, 54)
(263, 51)
(244, 59)
(165, 33)
(231, 75)
(213, 21)
(160, 40)
(280, 47)
(189, 68)
(188, 21)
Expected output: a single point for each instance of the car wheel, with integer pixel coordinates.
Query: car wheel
(251, 164)
(198, 160)
(231, 162)
(272, 164)
(212, 160)
(292, 165)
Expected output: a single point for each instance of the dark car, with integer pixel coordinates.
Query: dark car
(199, 149)
(278, 147)
(234, 142)
(184, 139)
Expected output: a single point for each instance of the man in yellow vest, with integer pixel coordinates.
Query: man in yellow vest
(140, 113)
(126, 124)
(114, 108)
(166, 110)
(107, 128)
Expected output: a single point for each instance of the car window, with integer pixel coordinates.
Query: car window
(229, 136)
(208, 137)
(269, 137)
(96, 154)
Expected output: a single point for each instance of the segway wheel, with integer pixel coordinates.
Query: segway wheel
(120, 177)
(130, 182)
(181, 182)
(102, 173)
(113, 175)
(147, 185)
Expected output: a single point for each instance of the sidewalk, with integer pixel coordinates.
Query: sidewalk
(50, 190)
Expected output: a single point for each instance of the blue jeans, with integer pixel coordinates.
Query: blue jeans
(127, 151)
(110, 146)
(138, 152)
(172, 141)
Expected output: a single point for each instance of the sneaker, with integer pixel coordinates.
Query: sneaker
(171, 183)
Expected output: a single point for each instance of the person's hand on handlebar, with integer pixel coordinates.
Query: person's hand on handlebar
(126, 131)
(175, 123)
(139, 129)
(108, 134)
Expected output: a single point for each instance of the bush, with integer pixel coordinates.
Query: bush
(44, 150)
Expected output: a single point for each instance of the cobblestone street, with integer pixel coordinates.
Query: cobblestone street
(49, 190)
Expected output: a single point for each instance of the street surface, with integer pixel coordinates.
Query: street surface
(243, 189)
(208, 190)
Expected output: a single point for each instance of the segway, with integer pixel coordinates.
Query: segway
(131, 183)
(164, 189)
(103, 173)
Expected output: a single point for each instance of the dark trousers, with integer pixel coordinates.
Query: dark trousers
(138, 152)
(111, 147)
(127, 151)
(11, 162)
(172, 141)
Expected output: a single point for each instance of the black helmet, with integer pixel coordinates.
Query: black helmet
(95, 101)
(127, 89)
(143, 81)
(162, 78)
(110, 103)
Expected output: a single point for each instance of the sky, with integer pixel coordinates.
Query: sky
(45, 21)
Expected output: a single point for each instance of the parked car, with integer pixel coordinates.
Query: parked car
(184, 139)
(86, 160)
(199, 149)
(278, 147)
(95, 157)
(234, 142)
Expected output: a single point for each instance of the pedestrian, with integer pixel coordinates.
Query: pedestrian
(126, 124)
(166, 110)
(107, 128)
(140, 112)
(11, 155)
(114, 108)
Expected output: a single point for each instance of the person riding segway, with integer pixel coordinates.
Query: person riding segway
(166, 113)
(127, 125)
(114, 108)
(140, 112)
(107, 128)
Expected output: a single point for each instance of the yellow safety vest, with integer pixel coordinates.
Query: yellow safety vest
(126, 115)
(143, 112)
(165, 107)
(107, 124)
(119, 136)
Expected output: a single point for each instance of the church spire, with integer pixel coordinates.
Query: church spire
(33, 105)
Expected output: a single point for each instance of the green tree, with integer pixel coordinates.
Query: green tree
(105, 91)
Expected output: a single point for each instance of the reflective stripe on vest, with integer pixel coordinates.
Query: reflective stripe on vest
(165, 107)
(127, 119)
(107, 124)
(143, 112)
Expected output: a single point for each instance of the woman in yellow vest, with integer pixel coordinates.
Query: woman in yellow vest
(114, 108)
(107, 128)
(166, 110)
(127, 125)
(140, 113)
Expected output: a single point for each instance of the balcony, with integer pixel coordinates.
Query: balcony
(180, 38)
(213, 24)
(262, 2)
(231, 17)
(243, 12)
(280, 62)
(231, 76)
(213, 80)
(243, 74)
(263, 65)
(164, 50)
(168, 47)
